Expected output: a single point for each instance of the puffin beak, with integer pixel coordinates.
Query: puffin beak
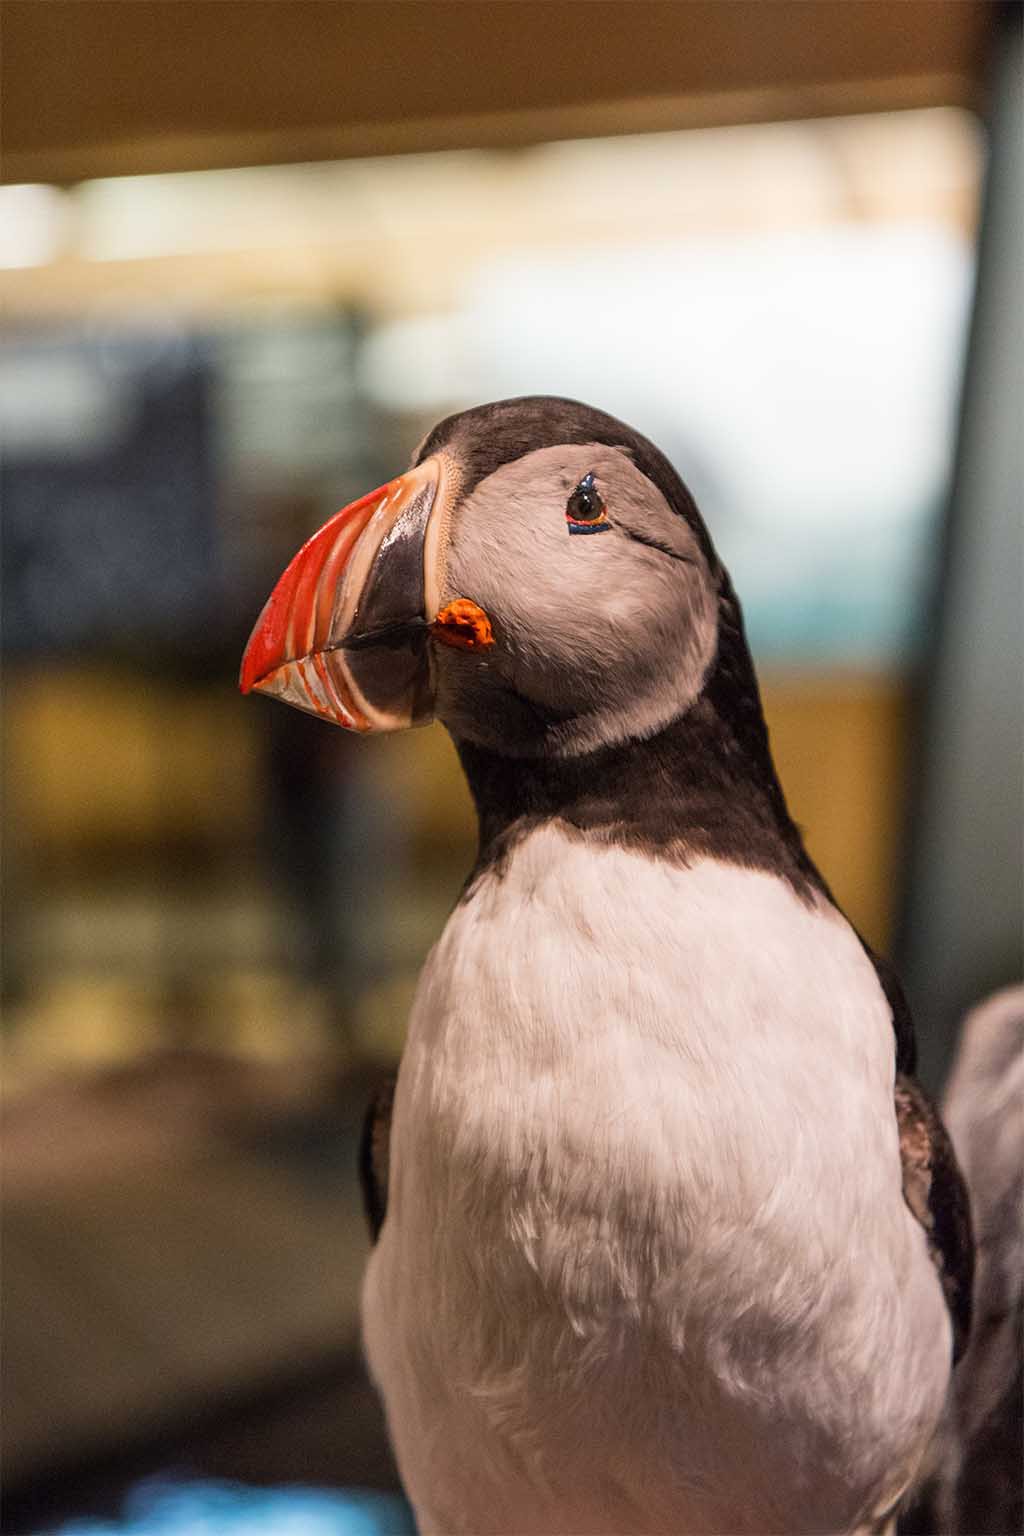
(344, 633)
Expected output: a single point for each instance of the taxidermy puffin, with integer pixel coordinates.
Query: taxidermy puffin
(668, 1240)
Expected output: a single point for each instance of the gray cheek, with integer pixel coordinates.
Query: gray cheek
(490, 698)
(658, 649)
(594, 645)
(547, 597)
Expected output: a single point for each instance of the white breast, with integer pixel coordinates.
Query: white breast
(646, 1265)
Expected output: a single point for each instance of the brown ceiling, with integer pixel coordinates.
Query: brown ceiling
(101, 87)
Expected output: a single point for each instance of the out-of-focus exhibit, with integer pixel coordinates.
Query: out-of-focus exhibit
(251, 253)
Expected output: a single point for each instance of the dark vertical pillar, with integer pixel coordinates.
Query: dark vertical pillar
(962, 925)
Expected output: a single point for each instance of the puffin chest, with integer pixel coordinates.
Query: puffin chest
(646, 1044)
(644, 1151)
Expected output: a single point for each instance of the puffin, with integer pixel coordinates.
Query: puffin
(667, 1239)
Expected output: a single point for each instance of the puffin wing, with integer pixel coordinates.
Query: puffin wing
(933, 1185)
(375, 1155)
(936, 1194)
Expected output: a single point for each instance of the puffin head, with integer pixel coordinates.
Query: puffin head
(540, 580)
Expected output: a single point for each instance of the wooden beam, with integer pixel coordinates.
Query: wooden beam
(95, 88)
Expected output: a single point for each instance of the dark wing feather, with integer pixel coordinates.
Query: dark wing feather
(375, 1155)
(933, 1185)
(934, 1189)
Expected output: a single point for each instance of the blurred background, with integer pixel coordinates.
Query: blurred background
(250, 253)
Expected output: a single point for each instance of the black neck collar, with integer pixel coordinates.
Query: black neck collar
(704, 786)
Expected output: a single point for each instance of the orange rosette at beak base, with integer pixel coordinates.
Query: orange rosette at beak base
(343, 634)
(463, 625)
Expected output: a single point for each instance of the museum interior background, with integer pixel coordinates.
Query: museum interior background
(251, 252)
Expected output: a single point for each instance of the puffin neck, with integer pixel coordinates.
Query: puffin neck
(696, 789)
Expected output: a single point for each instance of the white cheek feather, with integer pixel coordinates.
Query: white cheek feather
(646, 1264)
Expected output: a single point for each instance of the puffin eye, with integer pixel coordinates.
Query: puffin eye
(584, 511)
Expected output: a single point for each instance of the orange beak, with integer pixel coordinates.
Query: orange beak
(344, 632)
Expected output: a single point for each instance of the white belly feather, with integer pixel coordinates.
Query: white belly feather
(646, 1265)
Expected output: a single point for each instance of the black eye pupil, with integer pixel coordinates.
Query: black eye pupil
(585, 504)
